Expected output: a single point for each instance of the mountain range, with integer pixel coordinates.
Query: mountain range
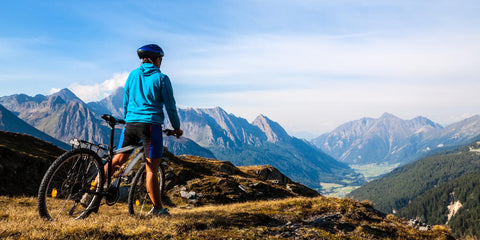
(392, 140)
(209, 133)
(214, 133)
(61, 115)
(263, 142)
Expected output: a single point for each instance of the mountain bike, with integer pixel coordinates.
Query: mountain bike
(75, 184)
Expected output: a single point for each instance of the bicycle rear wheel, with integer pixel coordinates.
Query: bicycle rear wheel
(139, 203)
(69, 178)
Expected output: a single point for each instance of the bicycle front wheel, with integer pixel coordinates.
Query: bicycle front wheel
(139, 203)
(68, 189)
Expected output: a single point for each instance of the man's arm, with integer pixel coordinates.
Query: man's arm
(170, 105)
(125, 101)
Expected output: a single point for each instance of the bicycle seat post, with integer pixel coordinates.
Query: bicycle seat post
(112, 136)
(111, 122)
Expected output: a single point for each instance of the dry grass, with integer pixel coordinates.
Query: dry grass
(307, 218)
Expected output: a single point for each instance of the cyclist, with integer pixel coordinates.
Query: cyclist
(147, 91)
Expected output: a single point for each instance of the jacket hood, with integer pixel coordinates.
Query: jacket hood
(149, 69)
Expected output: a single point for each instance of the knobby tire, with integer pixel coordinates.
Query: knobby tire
(139, 202)
(66, 181)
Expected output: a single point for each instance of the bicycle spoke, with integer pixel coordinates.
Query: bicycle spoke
(139, 202)
(64, 184)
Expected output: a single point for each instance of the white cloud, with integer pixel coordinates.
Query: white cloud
(276, 59)
(96, 92)
(54, 90)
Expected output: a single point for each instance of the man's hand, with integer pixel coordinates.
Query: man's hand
(177, 132)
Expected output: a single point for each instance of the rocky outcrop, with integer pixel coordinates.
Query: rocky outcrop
(194, 180)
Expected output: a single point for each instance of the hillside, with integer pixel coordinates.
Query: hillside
(454, 203)
(186, 146)
(404, 184)
(293, 218)
(209, 181)
(23, 161)
(11, 123)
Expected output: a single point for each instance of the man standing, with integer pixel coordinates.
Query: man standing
(147, 91)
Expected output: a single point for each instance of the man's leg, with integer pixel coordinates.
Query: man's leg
(117, 161)
(153, 186)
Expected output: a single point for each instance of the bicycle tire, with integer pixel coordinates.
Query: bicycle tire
(66, 181)
(139, 203)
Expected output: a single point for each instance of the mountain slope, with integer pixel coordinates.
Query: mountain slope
(386, 139)
(23, 161)
(112, 104)
(404, 184)
(11, 123)
(186, 146)
(456, 134)
(454, 203)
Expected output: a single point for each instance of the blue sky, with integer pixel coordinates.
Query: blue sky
(309, 65)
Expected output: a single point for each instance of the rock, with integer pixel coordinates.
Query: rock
(221, 181)
(326, 220)
(227, 167)
(271, 173)
(424, 228)
(259, 185)
(302, 190)
(243, 188)
(188, 195)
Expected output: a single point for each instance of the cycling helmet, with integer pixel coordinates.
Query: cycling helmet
(150, 51)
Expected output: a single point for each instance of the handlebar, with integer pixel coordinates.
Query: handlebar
(170, 132)
(112, 121)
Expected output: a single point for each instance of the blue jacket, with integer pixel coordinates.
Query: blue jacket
(147, 90)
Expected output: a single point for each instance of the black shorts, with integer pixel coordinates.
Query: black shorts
(150, 135)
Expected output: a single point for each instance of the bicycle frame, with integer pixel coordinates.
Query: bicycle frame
(111, 152)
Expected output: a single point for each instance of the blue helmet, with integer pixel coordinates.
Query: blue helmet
(150, 51)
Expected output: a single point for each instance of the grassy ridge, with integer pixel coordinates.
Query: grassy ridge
(307, 218)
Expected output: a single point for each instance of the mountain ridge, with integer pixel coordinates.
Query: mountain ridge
(61, 115)
(389, 139)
